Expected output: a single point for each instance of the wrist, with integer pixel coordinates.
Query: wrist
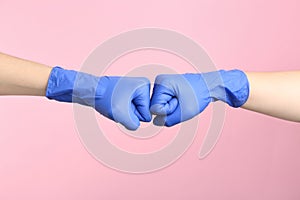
(230, 86)
(60, 84)
(69, 86)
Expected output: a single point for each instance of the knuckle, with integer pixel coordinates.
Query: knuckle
(161, 78)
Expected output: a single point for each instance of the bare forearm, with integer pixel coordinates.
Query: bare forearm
(22, 77)
(275, 93)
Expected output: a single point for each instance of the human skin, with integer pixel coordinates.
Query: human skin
(272, 93)
(22, 77)
(275, 93)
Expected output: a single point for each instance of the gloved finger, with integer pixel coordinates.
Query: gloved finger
(123, 109)
(139, 116)
(168, 120)
(127, 118)
(166, 108)
(163, 101)
(136, 112)
(141, 101)
(159, 120)
(174, 118)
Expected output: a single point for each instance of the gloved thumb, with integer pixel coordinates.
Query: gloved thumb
(163, 101)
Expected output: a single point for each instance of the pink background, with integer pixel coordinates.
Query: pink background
(41, 156)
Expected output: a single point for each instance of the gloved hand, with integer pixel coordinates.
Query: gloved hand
(177, 98)
(123, 99)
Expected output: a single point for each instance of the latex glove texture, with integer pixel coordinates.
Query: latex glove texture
(180, 97)
(123, 99)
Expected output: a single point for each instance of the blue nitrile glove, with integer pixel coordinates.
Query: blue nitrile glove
(123, 99)
(180, 97)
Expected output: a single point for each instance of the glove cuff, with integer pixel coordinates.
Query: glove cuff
(60, 84)
(72, 86)
(231, 87)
